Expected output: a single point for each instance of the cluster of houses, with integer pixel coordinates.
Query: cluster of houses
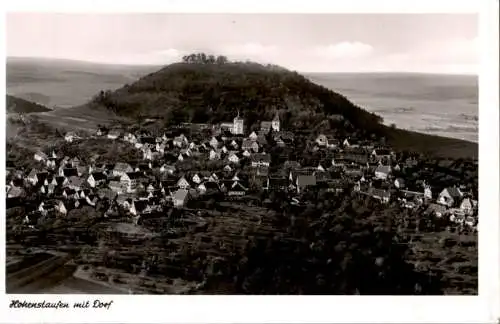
(148, 186)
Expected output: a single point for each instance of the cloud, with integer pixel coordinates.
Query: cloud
(344, 50)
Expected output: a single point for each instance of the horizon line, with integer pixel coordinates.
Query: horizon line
(162, 65)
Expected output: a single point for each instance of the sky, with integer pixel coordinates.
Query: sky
(427, 43)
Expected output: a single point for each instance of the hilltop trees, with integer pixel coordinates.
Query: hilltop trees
(202, 58)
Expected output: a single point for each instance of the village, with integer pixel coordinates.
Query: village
(202, 172)
(236, 167)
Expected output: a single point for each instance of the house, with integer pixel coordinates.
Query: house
(427, 192)
(96, 179)
(214, 155)
(437, 210)
(121, 169)
(148, 140)
(275, 123)
(260, 160)
(450, 197)
(35, 177)
(238, 125)
(84, 193)
(234, 145)
(214, 142)
(144, 167)
(114, 134)
(51, 163)
(236, 177)
(147, 154)
(321, 140)
(160, 148)
(261, 140)
(249, 144)
(186, 152)
(180, 157)
(169, 169)
(180, 197)
(236, 189)
(382, 153)
(16, 192)
(138, 207)
(42, 177)
(32, 177)
(131, 180)
(68, 172)
(40, 156)
(106, 194)
(467, 206)
(92, 200)
(286, 136)
(70, 136)
(183, 183)
(117, 186)
(150, 188)
(303, 181)
(70, 193)
(233, 158)
(213, 177)
(382, 172)
(227, 168)
(197, 178)
(291, 165)
(252, 137)
(75, 162)
(399, 183)
(470, 221)
(266, 126)
(75, 183)
(17, 182)
(353, 170)
(246, 154)
(101, 131)
(61, 181)
(277, 184)
(208, 187)
(380, 194)
(56, 206)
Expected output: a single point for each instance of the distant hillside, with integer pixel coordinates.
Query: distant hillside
(197, 92)
(18, 105)
(66, 83)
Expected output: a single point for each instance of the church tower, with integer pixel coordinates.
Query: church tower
(276, 123)
(238, 125)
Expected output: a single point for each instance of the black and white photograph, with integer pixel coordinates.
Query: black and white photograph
(206, 153)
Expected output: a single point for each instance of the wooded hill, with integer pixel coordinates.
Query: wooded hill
(205, 89)
(18, 105)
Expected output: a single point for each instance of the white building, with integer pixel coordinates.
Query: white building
(276, 123)
(238, 125)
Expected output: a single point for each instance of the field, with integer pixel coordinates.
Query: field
(65, 83)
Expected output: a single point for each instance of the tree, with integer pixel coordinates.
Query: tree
(221, 59)
(344, 251)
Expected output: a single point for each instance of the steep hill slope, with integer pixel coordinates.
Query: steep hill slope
(18, 105)
(199, 92)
